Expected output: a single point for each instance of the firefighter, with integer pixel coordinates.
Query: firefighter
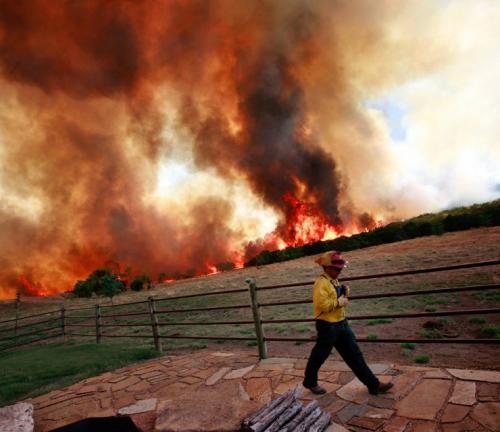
(330, 299)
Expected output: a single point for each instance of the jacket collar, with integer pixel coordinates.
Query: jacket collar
(330, 279)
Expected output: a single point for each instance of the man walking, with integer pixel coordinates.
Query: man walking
(330, 299)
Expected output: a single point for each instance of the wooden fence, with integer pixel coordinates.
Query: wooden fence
(61, 322)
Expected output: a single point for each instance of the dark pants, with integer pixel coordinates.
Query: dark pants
(340, 336)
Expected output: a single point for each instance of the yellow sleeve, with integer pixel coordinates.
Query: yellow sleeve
(324, 297)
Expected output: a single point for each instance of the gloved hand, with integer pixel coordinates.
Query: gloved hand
(343, 301)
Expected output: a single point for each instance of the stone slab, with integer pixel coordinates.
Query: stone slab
(139, 407)
(217, 376)
(438, 373)
(378, 368)
(259, 389)
(454, 413)
(403, 384)
(424, 427)
(350, 411)
(379, 413)
(425, 400)
(396, 424)
(335, 427)
(222, 354)
(464, 393)
(277, 360)
(354, 391)
(366, 423)
(239, 373)
(488, 414)
(17, 418)
(212, 413)
(476, 375)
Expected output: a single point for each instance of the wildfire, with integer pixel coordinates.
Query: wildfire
(212, 270)
(31, 289)
(306, 223)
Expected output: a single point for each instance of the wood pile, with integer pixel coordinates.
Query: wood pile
(287, 414)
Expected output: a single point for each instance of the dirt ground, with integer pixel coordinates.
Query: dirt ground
(451, 248)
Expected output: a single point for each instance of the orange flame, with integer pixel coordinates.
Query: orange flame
(31, 289)
(306, 223)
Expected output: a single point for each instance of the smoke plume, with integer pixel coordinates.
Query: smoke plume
(175, 136)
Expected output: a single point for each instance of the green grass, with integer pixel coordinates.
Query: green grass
(39, 369)
(477, 320)
(409, 345)
(422, 358)
(488, 296)
(431, 334)
(379, 321)
(493, 331)
(371, 336)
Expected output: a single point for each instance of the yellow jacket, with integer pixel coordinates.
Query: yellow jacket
(326, 306)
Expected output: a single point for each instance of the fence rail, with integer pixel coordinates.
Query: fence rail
(99, 320)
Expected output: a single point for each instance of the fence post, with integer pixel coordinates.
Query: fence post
(154, 324)
(63, 322)
(259, 332)
(18, 305)
(97, 323)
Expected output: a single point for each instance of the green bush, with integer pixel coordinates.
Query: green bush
(139, 282)
(409, 345)
(83, 289)
(423, 358)
(372, 336)
(102, 282)
(477, 320)
(493, 331)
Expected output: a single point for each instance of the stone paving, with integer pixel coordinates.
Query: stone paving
(214, 390)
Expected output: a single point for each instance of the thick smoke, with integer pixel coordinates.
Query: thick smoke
(261, 97)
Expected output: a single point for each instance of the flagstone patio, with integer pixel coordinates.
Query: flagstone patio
(214, 390)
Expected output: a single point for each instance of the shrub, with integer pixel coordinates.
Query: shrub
(225, 266)
(139, 282)
(493, 331)
(461, 222)
(372, 336)
(409, 345)
(423, 358)
(477, 320)
(101, 282)
(83, 289)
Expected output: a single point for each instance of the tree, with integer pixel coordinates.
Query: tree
(111, 286)
(139, 282)
(102, 282)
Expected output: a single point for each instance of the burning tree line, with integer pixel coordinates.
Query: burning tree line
(109, 282)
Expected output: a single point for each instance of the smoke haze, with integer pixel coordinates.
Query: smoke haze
(175, 136)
